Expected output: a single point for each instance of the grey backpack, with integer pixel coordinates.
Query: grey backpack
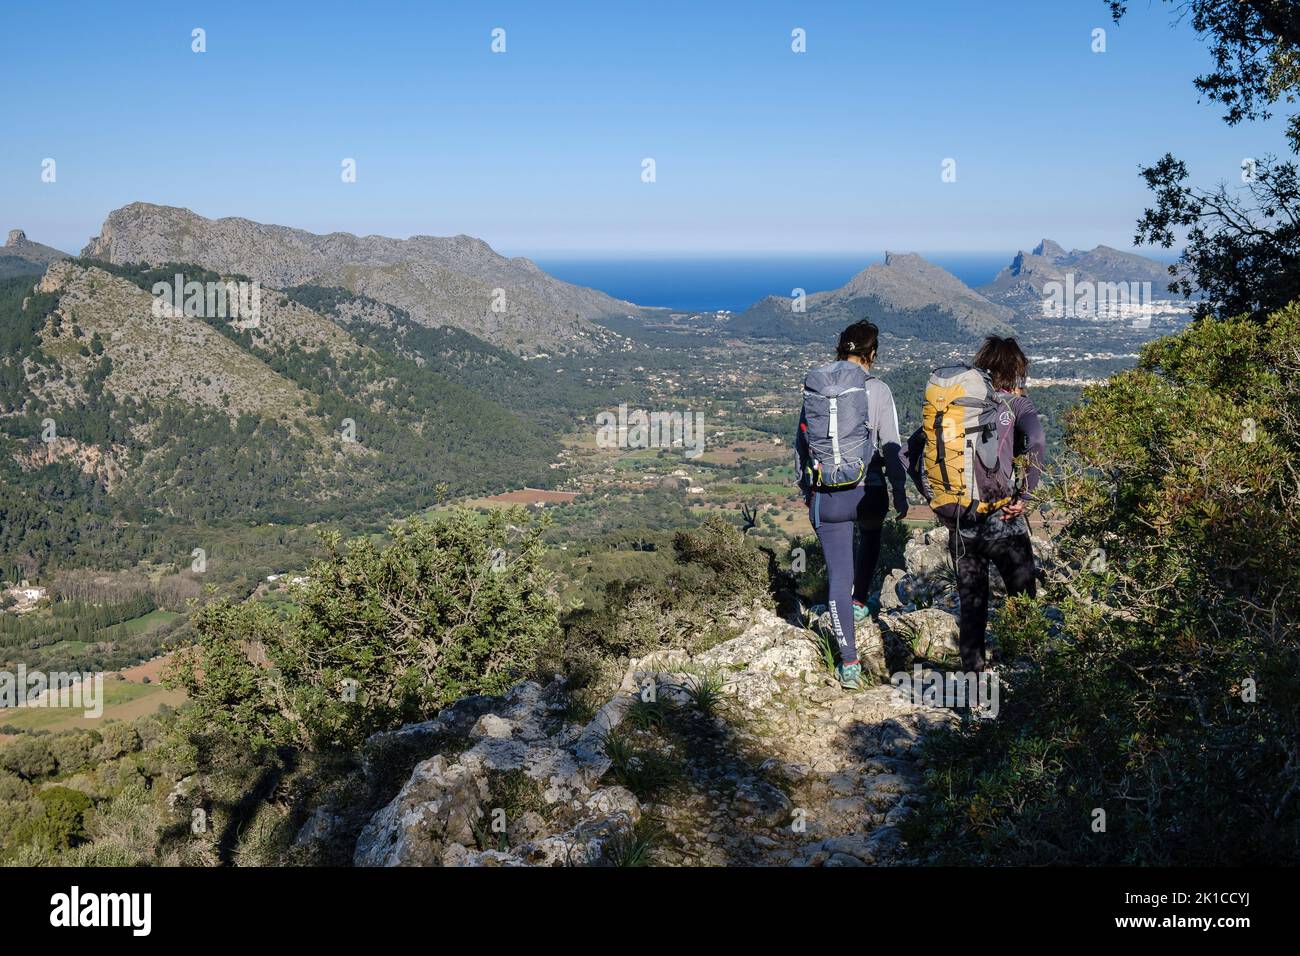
(835, 426)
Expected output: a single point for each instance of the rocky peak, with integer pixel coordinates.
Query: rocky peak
(16, 237)
(1032, 263)
(1048, 249)
(905, 260)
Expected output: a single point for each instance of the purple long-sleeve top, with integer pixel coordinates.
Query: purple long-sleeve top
(1029, 441)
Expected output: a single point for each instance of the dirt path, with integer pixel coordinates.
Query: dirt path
(792, 770)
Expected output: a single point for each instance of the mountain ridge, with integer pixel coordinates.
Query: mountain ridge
(456, 280)
(1020, 284)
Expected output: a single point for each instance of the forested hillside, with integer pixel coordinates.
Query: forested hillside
(116, 424)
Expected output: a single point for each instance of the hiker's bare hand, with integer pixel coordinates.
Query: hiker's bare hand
(1013, 510)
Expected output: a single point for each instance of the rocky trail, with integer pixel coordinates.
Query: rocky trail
(748, 753)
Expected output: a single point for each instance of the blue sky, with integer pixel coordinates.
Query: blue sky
(539, 150)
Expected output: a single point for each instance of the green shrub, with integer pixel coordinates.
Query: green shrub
(60, 822)
(117, 739)
(381, 635)
(13, 787)
(131, 829)
(14, 815)
(718, 552)
(72, 750)
(716, 575)
(151, 731)
(1019, 626)
(29, 757)
(233, 699)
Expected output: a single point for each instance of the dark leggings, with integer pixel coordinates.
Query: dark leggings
(834, 515)
(1012, 554)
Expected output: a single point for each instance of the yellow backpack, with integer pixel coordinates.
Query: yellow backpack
(968, 431)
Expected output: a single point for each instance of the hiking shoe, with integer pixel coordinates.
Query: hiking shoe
(861, 612)
(850, 675)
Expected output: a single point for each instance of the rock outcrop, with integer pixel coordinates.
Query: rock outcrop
(521, 759)
(103, 463)
(775, 764)
(919, 603)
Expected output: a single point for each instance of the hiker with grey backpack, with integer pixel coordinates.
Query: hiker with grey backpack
(976, 424)
(848, 456)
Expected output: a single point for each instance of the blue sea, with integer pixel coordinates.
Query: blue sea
(711, 282)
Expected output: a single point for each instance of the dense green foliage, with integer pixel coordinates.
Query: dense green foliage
(60, 821)
(380, 636)
(282, 701)
(1166, 696)
(94, 798)
(1153, 717)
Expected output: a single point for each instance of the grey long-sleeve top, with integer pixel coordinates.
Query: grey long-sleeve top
(887, 463)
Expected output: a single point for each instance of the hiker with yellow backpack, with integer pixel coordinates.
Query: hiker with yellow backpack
(976, 423)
